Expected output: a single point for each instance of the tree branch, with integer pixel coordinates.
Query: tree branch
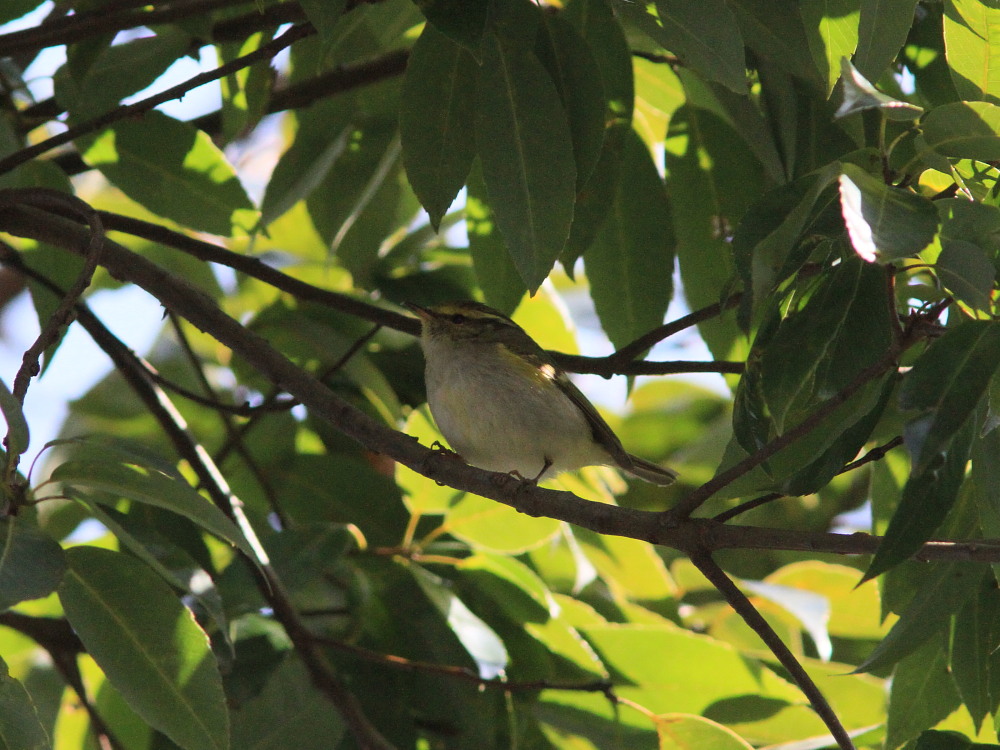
(695, 499)
(264, 52)
(191, 303)
(136, 374)
(736, 599)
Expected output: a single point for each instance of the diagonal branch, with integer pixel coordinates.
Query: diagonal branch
(695, 499)
(732, 594)
(136, 374)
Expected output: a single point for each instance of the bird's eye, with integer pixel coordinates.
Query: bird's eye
(458, 318)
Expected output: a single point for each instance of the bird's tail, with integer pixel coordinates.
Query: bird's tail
(649, 471)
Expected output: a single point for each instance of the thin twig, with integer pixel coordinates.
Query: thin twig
(743, 607)
(79, 26)
(264, 52)
(630, 351)
(875, 454)
(63, 646)
(61, 316)
(695, 499)
(464, 673)
(201, 311)
(230, 429)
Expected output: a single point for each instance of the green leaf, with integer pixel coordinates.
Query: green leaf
(929, 494)
(460, 20)
(707, 199)
(17, 8)
(704, 36)
(814, 352)
(939, 596)
(577, 76)
(20, 728)
(490, 525)
(245, 93)
(882, 31)
(325, 15)
(766, 241)
(478, 638)
(630, 264)
(937, 740)
(145, 484)
(323, 135)
(972, 47)
(966, 272)
(603, 34)
(436, 120)
(120, 70)
(498, 278)
(306, 721)
(174, 170)
(861, 95)
(922, 694)
(946, 383)
(526, 150)
(687, 732)
(885, 223)
(31, 562)
(148, 644)
(975, 662)
(967, 130)
(832, 32)
(774, 29)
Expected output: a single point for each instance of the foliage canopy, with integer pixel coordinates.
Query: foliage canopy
(278, 565)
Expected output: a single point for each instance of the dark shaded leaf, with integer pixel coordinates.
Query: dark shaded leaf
(923, 693)
(145, 484)
(882, 30)
(577, 76)
(630, 264)
(20, 728)
(31, 562)
(939, 596)
(148, 645)
(946, 383)
(526, 150)
(974, 660)
(437, 119)
(967, 130)
(498, 278)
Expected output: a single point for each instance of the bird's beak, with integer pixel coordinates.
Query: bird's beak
(421, 312)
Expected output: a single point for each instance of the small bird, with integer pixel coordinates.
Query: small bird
(504, 406)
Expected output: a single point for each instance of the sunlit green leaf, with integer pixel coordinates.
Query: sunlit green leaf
(972, 45)
(832, 32)
(185, 177)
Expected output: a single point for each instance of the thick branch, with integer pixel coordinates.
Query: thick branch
(200, 310)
